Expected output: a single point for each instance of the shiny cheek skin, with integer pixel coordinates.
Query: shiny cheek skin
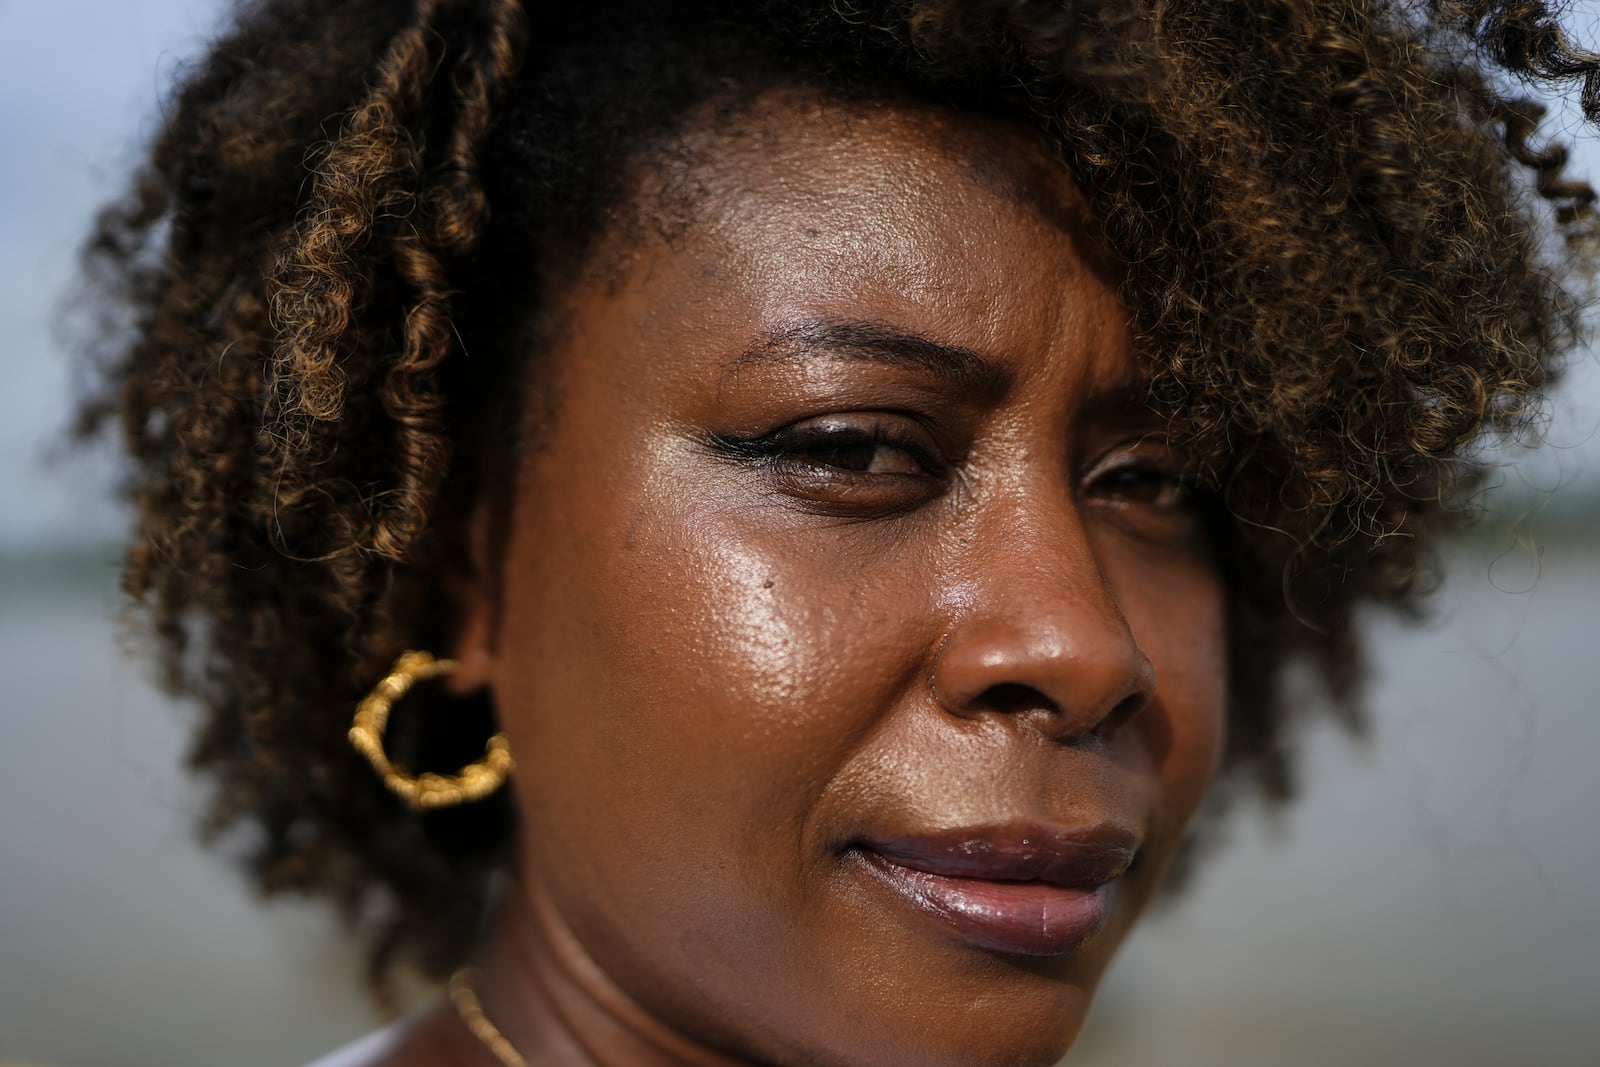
(704, 674)
(713, 689)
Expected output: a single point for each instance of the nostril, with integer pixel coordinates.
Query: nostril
(1012, 697)
(1017, 699)
(1126, 709)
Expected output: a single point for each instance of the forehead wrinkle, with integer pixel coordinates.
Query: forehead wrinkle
(878, 342)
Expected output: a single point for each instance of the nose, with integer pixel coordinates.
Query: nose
(1041, 639)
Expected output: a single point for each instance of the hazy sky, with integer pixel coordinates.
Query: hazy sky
(79, 82)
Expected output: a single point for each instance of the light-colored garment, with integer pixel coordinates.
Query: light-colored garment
(366, 1050)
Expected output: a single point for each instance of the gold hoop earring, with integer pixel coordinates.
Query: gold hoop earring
(424, 791)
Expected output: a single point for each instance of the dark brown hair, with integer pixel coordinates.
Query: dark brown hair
(1341, 240)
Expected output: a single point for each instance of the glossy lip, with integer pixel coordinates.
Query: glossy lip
(1027, 889)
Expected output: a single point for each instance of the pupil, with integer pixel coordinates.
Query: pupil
(856, 457)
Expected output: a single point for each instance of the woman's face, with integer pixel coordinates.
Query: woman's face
(861, 652)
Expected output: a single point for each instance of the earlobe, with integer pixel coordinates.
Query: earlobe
(477, 604)
(473, 650)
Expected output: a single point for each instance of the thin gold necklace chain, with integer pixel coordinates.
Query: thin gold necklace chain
(470, 1008)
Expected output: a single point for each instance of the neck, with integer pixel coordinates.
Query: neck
(555, 1005)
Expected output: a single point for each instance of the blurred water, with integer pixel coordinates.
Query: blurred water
(1435, 896)
(1433, 899)
(121, 942)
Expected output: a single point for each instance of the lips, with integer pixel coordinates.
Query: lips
(1025, 889)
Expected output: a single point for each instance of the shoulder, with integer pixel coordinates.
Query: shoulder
(365, 1052)
(421, 1039)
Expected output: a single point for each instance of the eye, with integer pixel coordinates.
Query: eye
(856, 449)
(1143, 489)
(1145, 482)
(848, 463)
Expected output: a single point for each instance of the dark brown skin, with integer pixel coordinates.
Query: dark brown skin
(718, 672)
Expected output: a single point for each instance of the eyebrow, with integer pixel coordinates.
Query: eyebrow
(962, 368)
(1132, 397)
(878, 342)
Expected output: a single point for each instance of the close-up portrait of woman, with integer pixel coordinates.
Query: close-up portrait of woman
(769, 532)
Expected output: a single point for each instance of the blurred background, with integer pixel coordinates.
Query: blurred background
(1434, 898)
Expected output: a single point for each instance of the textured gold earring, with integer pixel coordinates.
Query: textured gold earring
(473, 782)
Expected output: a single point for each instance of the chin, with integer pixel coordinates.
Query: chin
(976, 1008)
(1003, 1025)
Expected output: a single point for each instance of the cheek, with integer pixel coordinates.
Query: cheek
(688, 684)
(684, 685)
(1181, 627)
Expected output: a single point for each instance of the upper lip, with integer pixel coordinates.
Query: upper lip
(1072, 858)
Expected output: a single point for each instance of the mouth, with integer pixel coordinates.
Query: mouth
(1023, 889)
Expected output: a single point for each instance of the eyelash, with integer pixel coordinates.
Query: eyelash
(788, 446)
(1184, 495)
(798, 456)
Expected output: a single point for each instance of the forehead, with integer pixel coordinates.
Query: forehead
(861, 156)
(795, 207)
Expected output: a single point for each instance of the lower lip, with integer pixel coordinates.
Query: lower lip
(1018, 918)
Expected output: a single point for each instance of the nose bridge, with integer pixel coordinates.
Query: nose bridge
(1040, 630)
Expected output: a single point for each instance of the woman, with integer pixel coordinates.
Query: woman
(863, 469)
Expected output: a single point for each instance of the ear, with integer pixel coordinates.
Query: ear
(475, 591)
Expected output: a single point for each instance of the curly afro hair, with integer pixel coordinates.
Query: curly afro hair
(1342, 250)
